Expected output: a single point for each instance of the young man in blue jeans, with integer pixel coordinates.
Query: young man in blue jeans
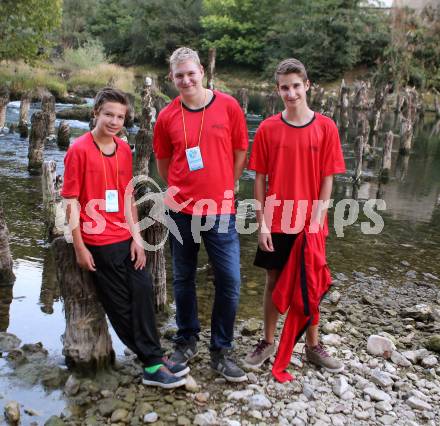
(200, 143)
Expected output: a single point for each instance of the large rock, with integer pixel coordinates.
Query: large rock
(240, 395)
(251, 327)
(382, 379)
(8, 342)
(340, 386)
(191, 385)
(12, 412)
(333, 327)
(208, 418)
(420, 312)
(72, 386)
(433, 343)
(380, 346)
(376, 394)
(399, 359)
(119, 415)
(418, 404)
(430, 361)
(108, 405)
(150, 417)
(259, 402)
(415, 356)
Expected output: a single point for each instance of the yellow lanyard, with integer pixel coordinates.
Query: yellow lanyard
(201, 124)
(117, 166)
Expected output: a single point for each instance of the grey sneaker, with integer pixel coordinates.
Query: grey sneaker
(225, 366)
(319, 356)
(262, 352)
(185, 350)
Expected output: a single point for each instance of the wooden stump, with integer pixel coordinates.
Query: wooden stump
(156, 231)
(52, 204)
(63, 137)
(406, 136)
(6, 292)
(36, 142)
(386, 157)
(211, 67)
(48, 107)
(155, 236)
(23, 121)
(330, 107)
(344, 95)
(378, 106)
(243, 99)
(271, 103)
(7, 276)
(87, 345)
(360, 100)
(358, 153)
(4, 99)
(49, 291)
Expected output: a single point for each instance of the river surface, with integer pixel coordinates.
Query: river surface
(32, 310)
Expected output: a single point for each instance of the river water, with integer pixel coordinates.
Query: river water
(31, 309)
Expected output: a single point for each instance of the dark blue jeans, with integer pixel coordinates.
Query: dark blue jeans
(224, 253)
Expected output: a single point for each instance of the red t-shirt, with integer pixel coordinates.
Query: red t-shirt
(224, 130)
(84, 179)
(295, 159)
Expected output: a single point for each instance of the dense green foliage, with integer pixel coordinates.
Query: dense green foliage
(24, 27)
(329, 36)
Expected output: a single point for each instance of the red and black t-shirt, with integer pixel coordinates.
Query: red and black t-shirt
(84, 179)
(224, 130)
(295, 159)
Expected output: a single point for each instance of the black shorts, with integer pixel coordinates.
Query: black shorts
(282, 244)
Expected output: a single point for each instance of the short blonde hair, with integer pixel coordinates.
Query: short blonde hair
(183, 54)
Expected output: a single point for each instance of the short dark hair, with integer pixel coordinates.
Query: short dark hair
(110, 94)
(291, 66)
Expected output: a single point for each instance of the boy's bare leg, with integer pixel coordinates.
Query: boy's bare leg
(270, 311)
(312, 335)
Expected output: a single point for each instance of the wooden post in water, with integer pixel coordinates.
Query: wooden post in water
(144, 137)
(360, 95)
(87, 345)
(52, 203)
(211, 67)
(271, 102)
(406, 136)
(154, 233)
(378, 106)
(243, 99)
(23, 121)
(36, 142)
(63, 137)
(344, 104)
(358, 153)
(4, 99)
(48, 107)
(7, 276)
(386, 157)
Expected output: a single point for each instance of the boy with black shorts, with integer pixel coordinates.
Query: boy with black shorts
(299, 151)
(97, 182)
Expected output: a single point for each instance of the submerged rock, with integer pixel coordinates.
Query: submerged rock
(8, 342)
(54, 421)
(12, 412)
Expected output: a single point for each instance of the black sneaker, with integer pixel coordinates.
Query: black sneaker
(225, 366)
(179, 370)
(163, 378)
(185, 350)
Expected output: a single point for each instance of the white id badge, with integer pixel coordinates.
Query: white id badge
(194, 158)
(111, 201)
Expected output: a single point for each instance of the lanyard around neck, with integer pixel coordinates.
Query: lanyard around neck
(117, 166)
(201, 123)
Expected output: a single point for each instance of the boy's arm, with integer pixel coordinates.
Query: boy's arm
(239, 163)
(162, 167)
(264, 235)
(83, 256)
(318, 214)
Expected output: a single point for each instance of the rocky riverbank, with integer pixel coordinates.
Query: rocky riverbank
(387, 333)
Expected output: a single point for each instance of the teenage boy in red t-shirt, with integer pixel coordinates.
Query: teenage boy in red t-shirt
(200, 143)
(298, 151)
(97, 173)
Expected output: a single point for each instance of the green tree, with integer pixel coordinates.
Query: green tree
(25, 28)
(237, 28)
(328, 36)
